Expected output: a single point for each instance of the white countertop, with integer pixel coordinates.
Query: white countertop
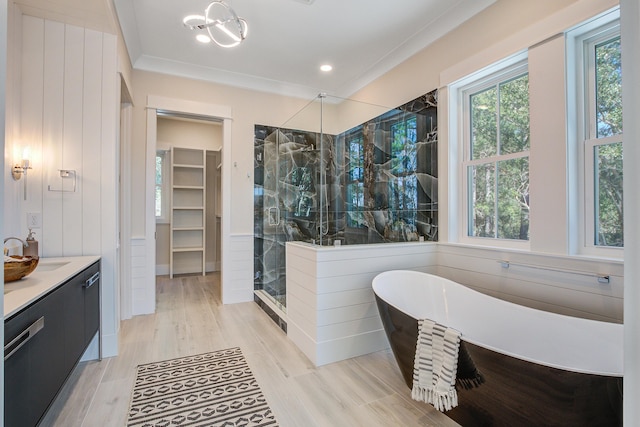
(49, 274)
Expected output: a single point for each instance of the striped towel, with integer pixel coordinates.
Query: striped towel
(435, 365)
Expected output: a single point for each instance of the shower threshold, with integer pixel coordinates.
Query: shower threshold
(275, 310)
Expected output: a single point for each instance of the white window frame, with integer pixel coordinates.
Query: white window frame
(460, 133)
(581, 42)
(166, 162)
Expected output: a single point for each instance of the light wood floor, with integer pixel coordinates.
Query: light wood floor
(190, 319)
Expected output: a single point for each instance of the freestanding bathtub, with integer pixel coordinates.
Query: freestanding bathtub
(539, 368)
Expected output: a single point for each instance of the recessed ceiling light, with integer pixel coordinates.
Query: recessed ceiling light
(326, 68)
(203, 38)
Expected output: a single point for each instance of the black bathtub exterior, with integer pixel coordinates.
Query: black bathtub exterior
(515, 392)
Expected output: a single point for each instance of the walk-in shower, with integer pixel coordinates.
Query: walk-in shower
(343, 172)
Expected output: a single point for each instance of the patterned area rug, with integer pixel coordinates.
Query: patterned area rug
(213, 389)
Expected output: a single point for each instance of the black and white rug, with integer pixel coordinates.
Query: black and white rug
(214, 389)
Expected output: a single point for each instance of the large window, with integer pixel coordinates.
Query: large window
(404, 164)
(496, 154)
(599, 69)
(354, 194)
(605, 141)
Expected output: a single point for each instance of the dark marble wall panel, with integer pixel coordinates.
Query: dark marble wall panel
(375, 183)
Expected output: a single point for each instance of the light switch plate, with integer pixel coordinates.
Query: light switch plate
(34, 220)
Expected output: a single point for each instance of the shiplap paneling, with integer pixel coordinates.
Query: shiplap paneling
(30, 132)
(52, 132)
(142, 300)
(92, 163)
(565, 285)
(239, 282)
(69, 119)
(331, 309)
(70, 146)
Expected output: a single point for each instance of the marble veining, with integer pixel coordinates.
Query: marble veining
(374, 183)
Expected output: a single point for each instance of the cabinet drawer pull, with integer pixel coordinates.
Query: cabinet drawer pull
(93, 279)
(22, 339)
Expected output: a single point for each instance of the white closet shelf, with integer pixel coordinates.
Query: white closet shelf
(188, 204)
(188, 166)
(188, 249)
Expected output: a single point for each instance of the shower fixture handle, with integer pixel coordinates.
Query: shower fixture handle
(273, 221)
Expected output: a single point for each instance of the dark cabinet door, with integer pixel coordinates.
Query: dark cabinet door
(73, 321)
(91, 302)
(35, 371)
(16, 371)
(46, 356)
(44, 342)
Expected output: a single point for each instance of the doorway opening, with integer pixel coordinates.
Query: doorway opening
(187, 114)
(188, 189)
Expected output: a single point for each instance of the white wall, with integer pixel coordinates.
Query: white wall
(630, 15)
(478, 43)
(66, 112)
(469, 260)
(202, 135)
(415, 77)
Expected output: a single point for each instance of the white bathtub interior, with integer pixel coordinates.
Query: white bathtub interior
(550, 339)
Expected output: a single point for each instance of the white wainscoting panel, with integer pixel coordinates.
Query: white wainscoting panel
(143, 298)
(238, 281)
(331, 309)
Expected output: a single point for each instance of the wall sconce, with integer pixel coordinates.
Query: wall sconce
(20, 169)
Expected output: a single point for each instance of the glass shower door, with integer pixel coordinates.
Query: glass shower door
(269, 241)
(285, 198)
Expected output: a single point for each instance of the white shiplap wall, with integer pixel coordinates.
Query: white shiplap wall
(68, 118)
(331, 308)
(560, 284)
(142, 297)
(238, 276)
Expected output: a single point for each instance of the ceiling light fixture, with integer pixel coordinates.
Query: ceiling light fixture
(203, 38)
(221, 22)
(326, 68)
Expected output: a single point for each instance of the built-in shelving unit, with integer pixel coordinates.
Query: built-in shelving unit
(188, 225)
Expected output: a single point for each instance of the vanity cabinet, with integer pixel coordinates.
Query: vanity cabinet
(44, 342)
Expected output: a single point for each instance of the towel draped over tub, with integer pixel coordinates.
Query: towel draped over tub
(436, 364)
(441, 362)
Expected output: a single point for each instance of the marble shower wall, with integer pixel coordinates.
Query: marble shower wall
(380, 185)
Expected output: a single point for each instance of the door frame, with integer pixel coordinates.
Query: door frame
(180, 106)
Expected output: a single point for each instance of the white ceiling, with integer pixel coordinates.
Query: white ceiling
(94, 14)
(287, 41)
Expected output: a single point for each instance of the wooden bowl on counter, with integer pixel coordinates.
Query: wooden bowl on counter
(16, 270)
